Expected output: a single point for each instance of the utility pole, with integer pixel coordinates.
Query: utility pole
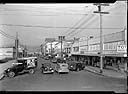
(51, 48)
(61, 48)
(44, 48)
(16, 45)
(41, 49)
(125, 43)
(101, 37)
(61, 39)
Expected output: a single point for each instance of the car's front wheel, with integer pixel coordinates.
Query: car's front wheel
(11, 74)
(31, 71)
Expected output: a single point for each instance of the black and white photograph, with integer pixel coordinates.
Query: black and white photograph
(63, 47)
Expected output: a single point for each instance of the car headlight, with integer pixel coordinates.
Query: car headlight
(7, 69)
(50, 68)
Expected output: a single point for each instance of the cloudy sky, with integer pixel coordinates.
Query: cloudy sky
(35, 22)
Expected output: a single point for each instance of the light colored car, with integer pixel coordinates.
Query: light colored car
(62, 68)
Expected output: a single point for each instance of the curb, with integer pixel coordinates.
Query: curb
(93, 71)
(96, 72)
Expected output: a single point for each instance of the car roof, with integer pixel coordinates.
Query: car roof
(62, 63)
(26, 58)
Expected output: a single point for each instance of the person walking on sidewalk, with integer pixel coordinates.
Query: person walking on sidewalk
(118, 63)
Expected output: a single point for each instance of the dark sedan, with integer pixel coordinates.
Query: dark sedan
(47, 68)
(76, 66)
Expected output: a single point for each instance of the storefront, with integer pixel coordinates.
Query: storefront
(114, 50)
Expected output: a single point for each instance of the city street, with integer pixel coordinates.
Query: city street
(74, 81)
(90, 37)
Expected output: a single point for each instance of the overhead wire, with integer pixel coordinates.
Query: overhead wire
(41, 26)
(57, 13)
(74, 25)
(78, 23)
(81, 29)
(69, 34)
(6, 35)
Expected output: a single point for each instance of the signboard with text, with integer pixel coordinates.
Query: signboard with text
(122, 48)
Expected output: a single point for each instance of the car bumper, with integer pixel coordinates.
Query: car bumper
(72, 69)
(48, 71)
(63, 71)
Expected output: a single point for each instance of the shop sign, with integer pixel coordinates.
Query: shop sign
(122, 48)
(111, 46)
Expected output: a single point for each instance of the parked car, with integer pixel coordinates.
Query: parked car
(22, 65)
(47, 68)
(46, 58)
(61, 60)
(54, 60)
(62, 68)
(76, 66)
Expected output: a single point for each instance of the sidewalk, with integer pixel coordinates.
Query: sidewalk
(107, 72)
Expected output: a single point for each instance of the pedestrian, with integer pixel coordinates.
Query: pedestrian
(118, 63)
(111, 62)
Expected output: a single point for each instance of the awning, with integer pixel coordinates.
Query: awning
(111, 55)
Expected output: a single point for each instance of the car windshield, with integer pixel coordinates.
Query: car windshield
(63, 65)
(21, 61)
(47, 64)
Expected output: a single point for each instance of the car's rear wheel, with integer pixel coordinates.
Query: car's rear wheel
(31, 71)
(11, 74)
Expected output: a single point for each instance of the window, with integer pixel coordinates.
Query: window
(76, 49)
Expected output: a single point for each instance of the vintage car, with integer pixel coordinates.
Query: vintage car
(47, 68)
(46, 58)
(76, 66)
(58, 60)
(54, 60)
(22, 65)
(62, 68)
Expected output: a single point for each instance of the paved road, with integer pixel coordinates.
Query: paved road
(74, 81)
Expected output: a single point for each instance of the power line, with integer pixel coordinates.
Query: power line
(28, 14)
(6, 35)
(105, 35)
(82, 24)
(79, 26)
(39, 26)
(78, 22)
(74, 25)
(56, 13)
(81, 29)
(95, 19)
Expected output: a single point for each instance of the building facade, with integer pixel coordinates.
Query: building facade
(10, 52)
(114, 47)
(7, 52)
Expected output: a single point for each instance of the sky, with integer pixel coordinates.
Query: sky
(35, 22)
